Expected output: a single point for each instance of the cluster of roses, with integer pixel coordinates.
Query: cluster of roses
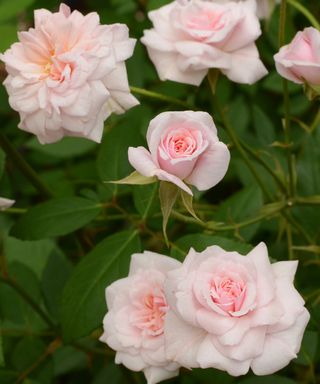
(217, 309)
(68, 74)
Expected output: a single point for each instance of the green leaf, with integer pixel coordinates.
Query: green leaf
(213, 77)
(308, 348)
(111, 370)
(33, 254)
(26, 352)
(10, 9)
(239, 114)
(56, 217)
(14, 309)
(8, 33)
(146, 199)
(67, 148)
(201, 241)
(155, 4)
(240, 206)
(2, 161)
(83, 302)
(273, 83)
(264, 128)
(67, 359)
(187, 201)
(112, 161)
(308, 166)
(1, 350)
(274, 379)
(135, 179)
(168, 194)
(55, 276)
(7, 377)
(308, 182)
(210, 375)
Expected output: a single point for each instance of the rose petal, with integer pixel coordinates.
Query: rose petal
(156, 374)
(211, 167)
(280, 347)
(182, 341)
(246, 67)
(209, 357)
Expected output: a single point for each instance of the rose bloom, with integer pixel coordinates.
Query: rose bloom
(5, 203)
(137, 309)
(190, 37)
(233, 312)
(67, 75)
(264, 7)
(299, 61)
(184, 148)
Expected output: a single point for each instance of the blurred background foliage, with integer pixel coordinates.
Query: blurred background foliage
(53, 273)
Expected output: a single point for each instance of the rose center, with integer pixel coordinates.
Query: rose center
(181, 145)
(57, 70)
(206, 20)
(228, 294)
(150, 318)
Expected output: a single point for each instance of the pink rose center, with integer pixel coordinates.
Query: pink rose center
(181, 146)
(206, 20)
(150, 317)
(180, 143)
(56, 69)
(228, 294)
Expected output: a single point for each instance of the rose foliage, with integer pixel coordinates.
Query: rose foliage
(160, 192)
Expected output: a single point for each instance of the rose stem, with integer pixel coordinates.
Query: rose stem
(160, 97)
(305, 12)
(24, 167)
(286, 125)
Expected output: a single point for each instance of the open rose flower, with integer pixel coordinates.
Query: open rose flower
(67, 75)
(5, 203)
(233, 312)
(299, 61)
(190, 37)
(264, 7)
(184, 148)
(137, 309)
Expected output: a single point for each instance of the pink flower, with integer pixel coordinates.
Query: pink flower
(299, 61)
(233, 312)
(5, 203)
(190, 37)
(134, 325)
(264, 7)
(67, 75)
(184, 148)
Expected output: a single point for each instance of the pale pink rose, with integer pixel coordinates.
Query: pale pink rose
(137, 310)
(5, 203)
(184, 148)
(233, 312)
(299, 61)
(67, 74)
(264, 7)
(190, 37)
